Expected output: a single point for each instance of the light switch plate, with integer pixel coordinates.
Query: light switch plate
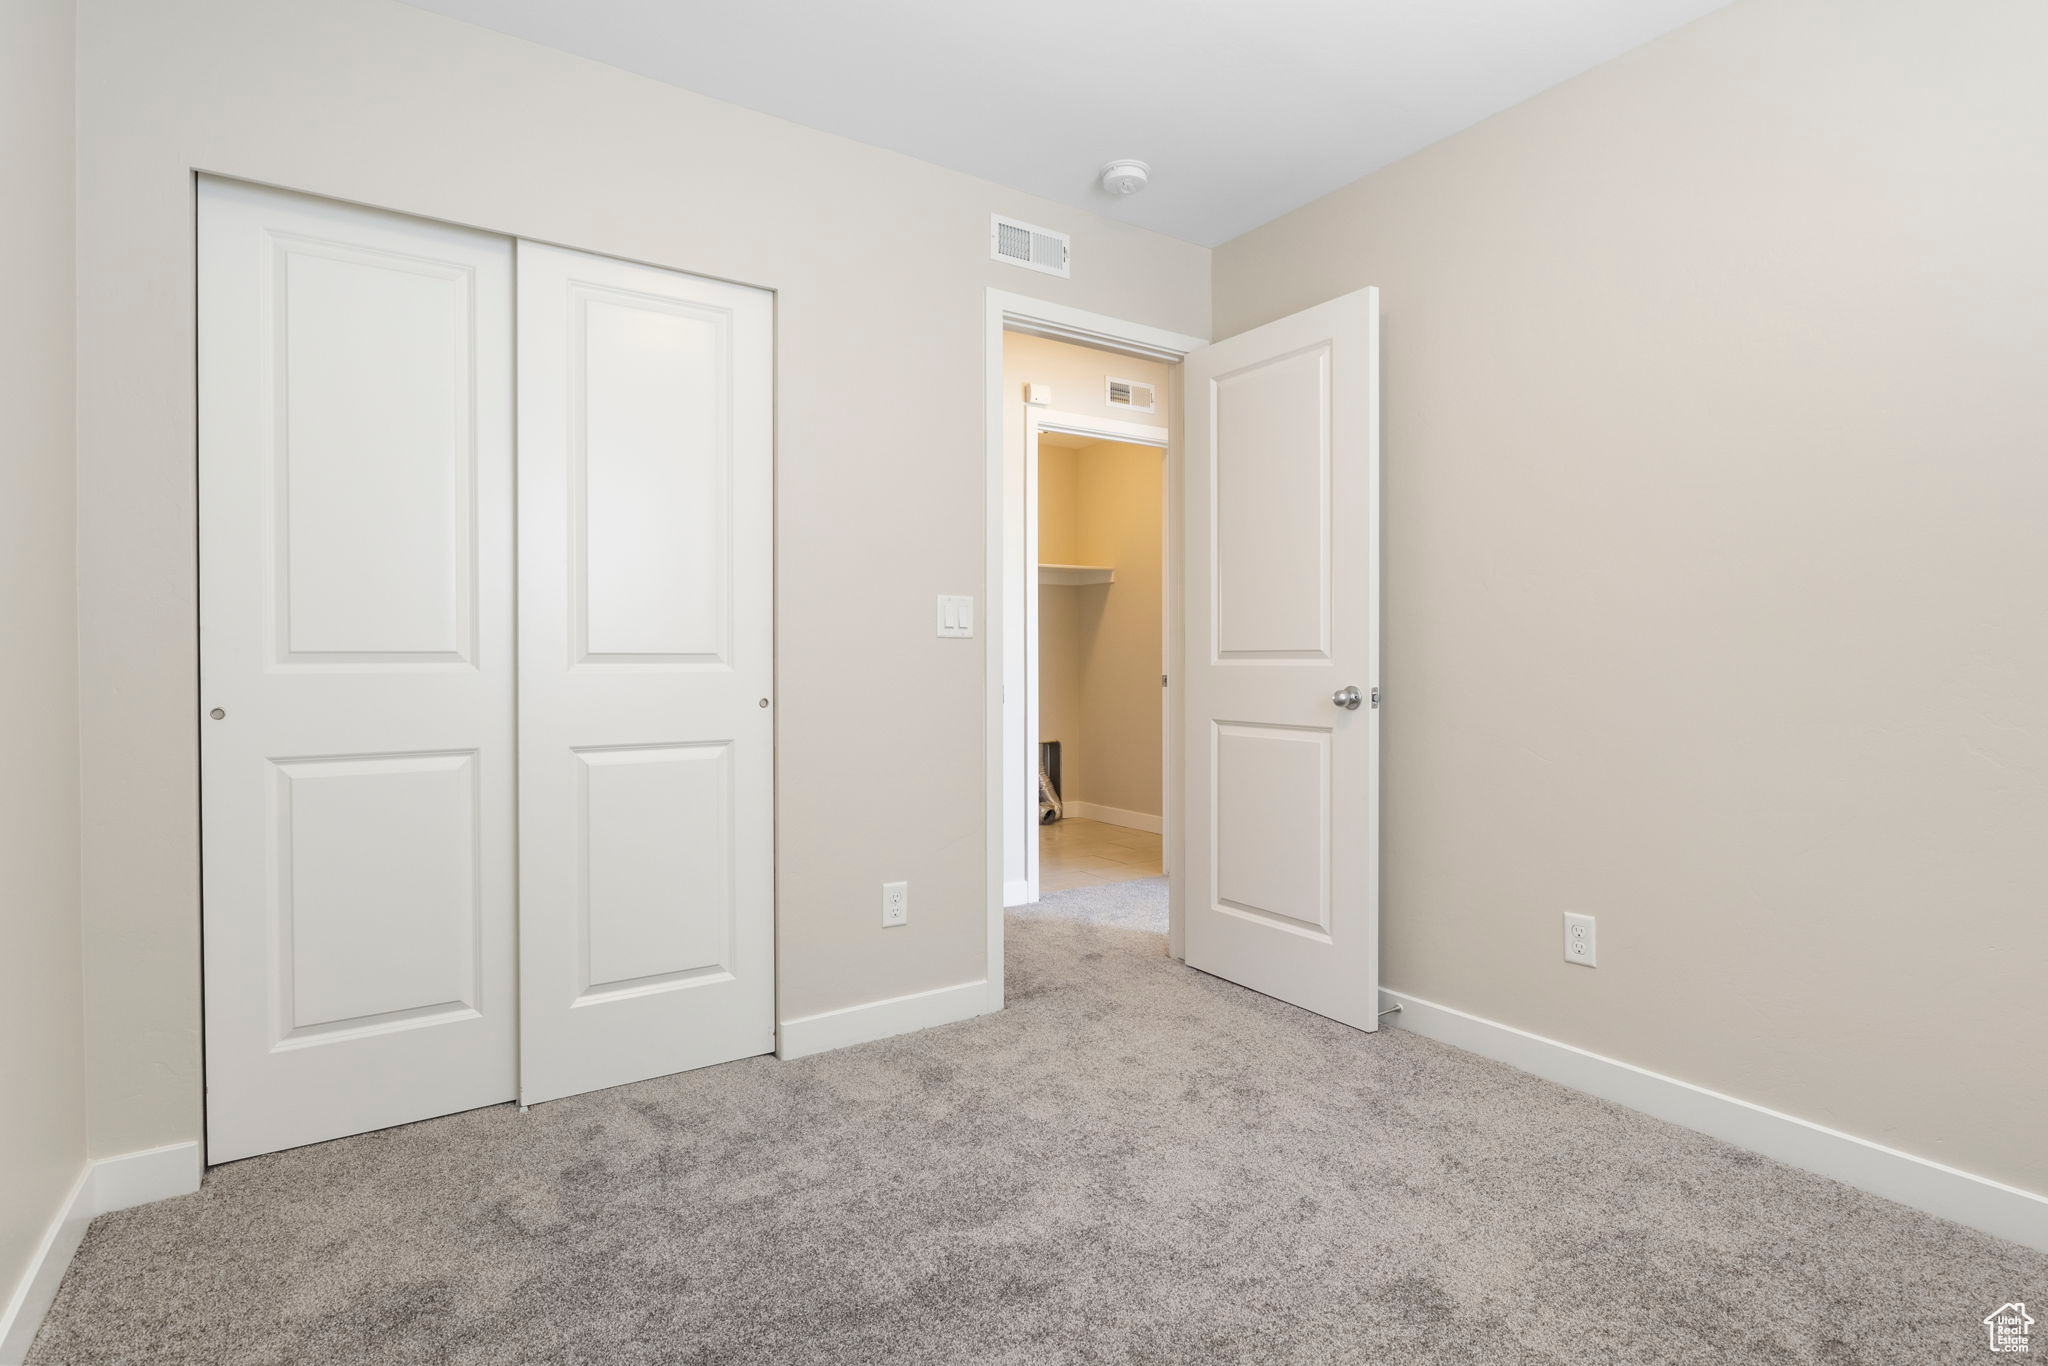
(956, 617)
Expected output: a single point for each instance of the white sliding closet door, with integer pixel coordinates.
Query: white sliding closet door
(646, 798)
(356, 655)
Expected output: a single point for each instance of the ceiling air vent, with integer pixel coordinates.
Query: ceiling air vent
(1129, 393)
(1023, 245)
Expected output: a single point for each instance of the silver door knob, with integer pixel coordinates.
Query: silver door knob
(1347, 698)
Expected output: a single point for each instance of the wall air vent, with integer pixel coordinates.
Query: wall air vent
(1129, 393)
(1032, 248)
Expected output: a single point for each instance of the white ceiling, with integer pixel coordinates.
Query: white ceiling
(1244, 108)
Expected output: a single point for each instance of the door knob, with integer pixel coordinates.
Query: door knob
(1347, 698)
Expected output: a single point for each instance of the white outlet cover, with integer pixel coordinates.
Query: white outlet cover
(1580, 945)
(895, 903)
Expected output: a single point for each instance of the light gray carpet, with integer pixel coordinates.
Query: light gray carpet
(1133, 1163)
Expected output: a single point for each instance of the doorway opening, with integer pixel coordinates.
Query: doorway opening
(1097, 379)
(1088, 760)
(1270, 752)
(1096, 650)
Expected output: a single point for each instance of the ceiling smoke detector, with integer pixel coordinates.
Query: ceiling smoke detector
(1125, 177)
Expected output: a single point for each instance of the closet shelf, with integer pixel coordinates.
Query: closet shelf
(1075, 574)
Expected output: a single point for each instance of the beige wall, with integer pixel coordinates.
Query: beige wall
(1075, 375)
(880, 741)
(1118, 509)
(1099, 645)
(1059, 503)
(42, 1041)
(1717, 545)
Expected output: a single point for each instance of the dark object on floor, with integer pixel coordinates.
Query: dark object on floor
(1050, 807)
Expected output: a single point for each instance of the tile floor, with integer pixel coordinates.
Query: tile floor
(1081, 853)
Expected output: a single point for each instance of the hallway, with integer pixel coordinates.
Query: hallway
(1082, 853)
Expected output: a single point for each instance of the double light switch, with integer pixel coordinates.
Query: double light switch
(956, 616)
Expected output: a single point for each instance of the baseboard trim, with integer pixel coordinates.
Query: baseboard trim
(32, 1297)
(1933, 1187)
(102, 1187)
(137, 1178)
(810, 1034)
(1116, 815)
(1017, 893)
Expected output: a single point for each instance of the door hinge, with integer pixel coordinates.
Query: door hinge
(1162, 680)
(1375, 699)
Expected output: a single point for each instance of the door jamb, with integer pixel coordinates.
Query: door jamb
(1004, 311)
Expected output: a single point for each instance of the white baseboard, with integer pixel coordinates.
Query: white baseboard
(137, 1178)
(880, 1019)
(1976, 1201)
(102, 1187)
(38, 1287)
(1017, 893)
(1116, 815)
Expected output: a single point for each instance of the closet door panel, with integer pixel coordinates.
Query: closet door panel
(646, 630)
(356, 657)
(657, 844)
(653, 469)
(376, 453)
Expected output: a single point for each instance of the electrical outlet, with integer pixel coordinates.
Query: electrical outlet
(1578, 940)
(895, 903)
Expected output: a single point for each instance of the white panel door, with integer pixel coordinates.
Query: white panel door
(645, 637)
(356, 655)
(1282, 601)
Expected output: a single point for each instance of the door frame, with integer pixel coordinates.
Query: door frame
(1038, 420)
(1004, 311)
